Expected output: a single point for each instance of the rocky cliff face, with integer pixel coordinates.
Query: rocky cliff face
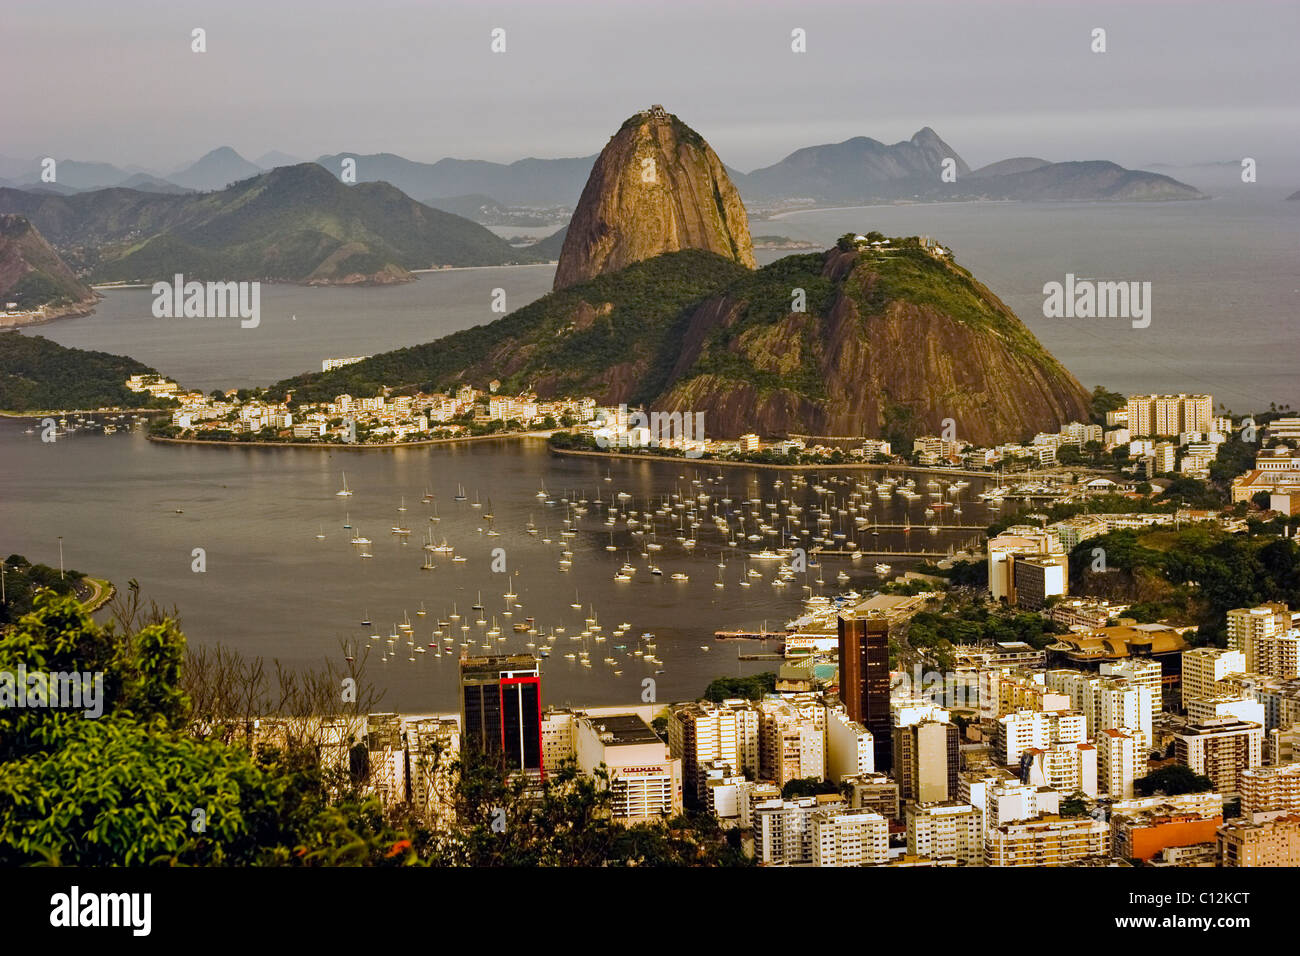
(34, 277)
(890, 345)
(656, 187)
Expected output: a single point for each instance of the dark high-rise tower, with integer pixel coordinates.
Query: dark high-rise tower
(864, 680)
(501, 709)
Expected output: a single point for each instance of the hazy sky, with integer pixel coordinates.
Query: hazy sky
(1180, 82)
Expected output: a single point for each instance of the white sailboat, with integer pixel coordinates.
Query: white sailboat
(346, 492)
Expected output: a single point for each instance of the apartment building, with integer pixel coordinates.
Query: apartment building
(1267, 789)
(1169, 415)
(850, 747)
(1021, 542)
(783, 829)
(1146, 832)
(849, 838)
(1108, 703)
(1268, 843)
(1205, 667)
(1267, 638)
(701, 731)
(1050, 841)
(1121, 759)
(927, 758)
(791, 744)
(945, 831)
(1064, 767)
(1013, 734)
(1221, 749)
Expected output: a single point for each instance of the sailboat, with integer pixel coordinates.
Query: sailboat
(345, 492)
(460, 492)
(347, 520)
(320, 535)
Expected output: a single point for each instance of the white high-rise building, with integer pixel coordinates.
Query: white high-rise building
(783, 829)
(645, 780)
(849, 747)
(1064, 767)
(1025, 729)
(1143, 673)
(1204, 667)
(1120, 761)
(1107, 702)
(849, 838)
(945, 831)
(1266, 638)
(702, 731)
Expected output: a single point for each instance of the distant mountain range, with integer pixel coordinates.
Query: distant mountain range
(860, 169)
(294, 223)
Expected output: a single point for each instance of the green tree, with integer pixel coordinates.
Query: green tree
(1173, 780)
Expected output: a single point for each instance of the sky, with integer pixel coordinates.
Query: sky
(1179, 83)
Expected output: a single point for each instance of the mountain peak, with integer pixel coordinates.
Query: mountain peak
(656, 187)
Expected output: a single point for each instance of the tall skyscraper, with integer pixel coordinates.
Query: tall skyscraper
(501, 709)
(864, 681)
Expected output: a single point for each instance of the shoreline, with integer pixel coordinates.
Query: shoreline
(114, 286)
(85, 411)
(78, 310)
(102, 591)
(326, 446)
(824, 466)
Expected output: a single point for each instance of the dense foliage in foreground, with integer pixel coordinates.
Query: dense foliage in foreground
(123, 789)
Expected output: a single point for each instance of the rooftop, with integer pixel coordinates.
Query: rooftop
(623, 729)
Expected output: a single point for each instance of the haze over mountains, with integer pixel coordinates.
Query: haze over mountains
(859, 169)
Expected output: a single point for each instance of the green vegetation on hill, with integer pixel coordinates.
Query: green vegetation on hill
(294, 223)
(31, 273)
(807, 342)
(570, 337)
(936, 632)
(1192, 575)
(765, 296)
(38, 375)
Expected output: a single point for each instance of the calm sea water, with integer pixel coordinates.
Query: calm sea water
(272, 588)
(1226, 282)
